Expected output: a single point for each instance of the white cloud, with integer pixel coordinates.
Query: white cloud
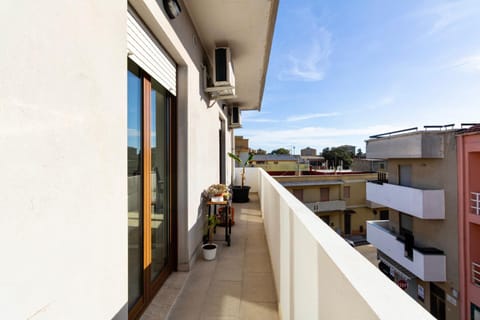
(469, 63)
(312, 116)
(314, 136)
(260, 120)
(133, 132)
(448, 14)
(309, 49)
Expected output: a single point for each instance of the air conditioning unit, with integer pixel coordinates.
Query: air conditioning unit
(223, 68)
(234, 118)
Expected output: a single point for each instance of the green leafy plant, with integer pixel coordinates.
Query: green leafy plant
(242, 163)
(212, 223)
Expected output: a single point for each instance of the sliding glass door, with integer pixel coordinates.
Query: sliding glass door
(150, 220)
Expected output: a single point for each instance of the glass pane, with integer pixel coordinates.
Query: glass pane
(159, 178)
(135, 219)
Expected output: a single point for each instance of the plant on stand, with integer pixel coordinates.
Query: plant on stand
(216, 192)
(240, 193)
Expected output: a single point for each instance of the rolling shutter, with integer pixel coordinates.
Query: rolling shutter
(147, 53)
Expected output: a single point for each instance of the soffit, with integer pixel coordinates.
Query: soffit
(246, 26)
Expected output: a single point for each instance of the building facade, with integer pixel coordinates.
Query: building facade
(308, 152)
(418, 241)
(468, 148)
(280, 164)
(338, 199)
(113, 129)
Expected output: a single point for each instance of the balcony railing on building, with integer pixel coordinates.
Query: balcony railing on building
(428, 264)
(420, 203)
(324, 206)
(476, 274)
(475, 202)
(315, 270)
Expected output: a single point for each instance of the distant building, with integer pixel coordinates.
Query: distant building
(468, 150)
(338, 199)
(417, 239)
(241, 145)
(350, 148)
(316, 162)
(241, 148)
(280, 164)
(308, 152)
(368, 165)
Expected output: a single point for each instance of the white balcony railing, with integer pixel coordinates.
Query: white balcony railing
(426, 263)
(475, 202)
(476, 274)
(324, 206)
(315, 270)
(423, 204)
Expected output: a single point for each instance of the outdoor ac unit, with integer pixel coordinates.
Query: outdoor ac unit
(235, 121)
(223, 68)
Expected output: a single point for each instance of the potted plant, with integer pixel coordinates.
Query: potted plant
(210, 249)
(240, 193)
(217, 191)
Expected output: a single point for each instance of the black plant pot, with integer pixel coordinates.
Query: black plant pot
(240, 194)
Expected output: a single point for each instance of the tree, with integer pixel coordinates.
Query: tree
(259, 151)
(359, 153)
(338, 155)
(280, 151)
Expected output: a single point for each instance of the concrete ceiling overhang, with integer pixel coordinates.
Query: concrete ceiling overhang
(246, 26)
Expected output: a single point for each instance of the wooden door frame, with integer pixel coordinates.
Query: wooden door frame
(150, 288)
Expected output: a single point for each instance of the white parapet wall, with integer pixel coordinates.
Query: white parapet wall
(426, 266)
(317, 274)
(423, 204)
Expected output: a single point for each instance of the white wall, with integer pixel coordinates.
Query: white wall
(198, 124)
(63, 126)
(317, 274)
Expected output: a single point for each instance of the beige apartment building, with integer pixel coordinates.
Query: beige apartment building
(338, 199)
(418, 244)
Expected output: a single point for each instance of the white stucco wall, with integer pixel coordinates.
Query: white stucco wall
(63, 126)
(198, 124)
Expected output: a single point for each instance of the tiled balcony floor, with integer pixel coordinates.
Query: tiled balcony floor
(238, 284)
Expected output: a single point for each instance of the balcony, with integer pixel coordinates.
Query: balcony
(423, 204)
(476, 274)
(428, 264)
(475, 202)
(413, 145)
(307, 270)
(324, 206)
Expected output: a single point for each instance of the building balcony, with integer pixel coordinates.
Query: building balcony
(420, 203)
(412, 145)
(324, 206)
(428, 264)
(292, 263)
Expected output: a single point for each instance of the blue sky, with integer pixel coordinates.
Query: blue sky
(343, 70)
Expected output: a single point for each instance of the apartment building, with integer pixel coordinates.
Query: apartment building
(308, 151)
(468, 149)
(338, 199)
(115, 116)
(418, 244)
(280, 164)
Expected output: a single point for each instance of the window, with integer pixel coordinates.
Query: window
(324, 194)
(346, 192)
(437, 302)
(406, 231)
(298, 193)
(405, 175)
(150, 166)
